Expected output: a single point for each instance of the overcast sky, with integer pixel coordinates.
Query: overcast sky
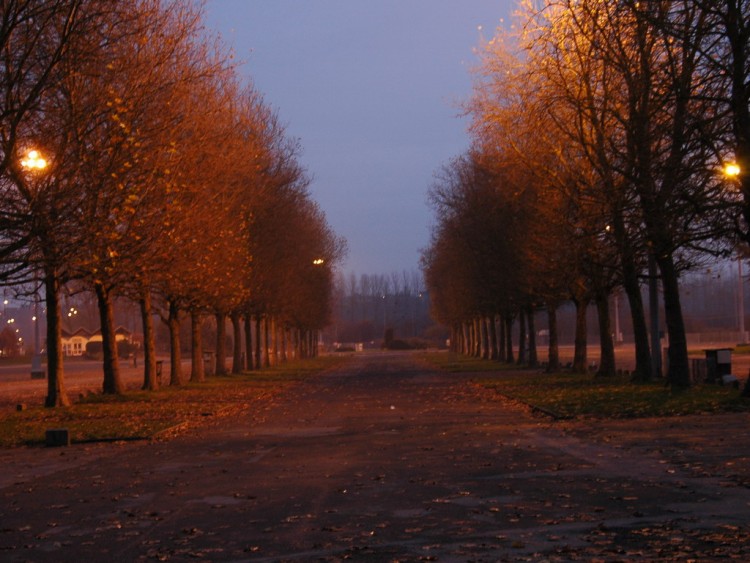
(371, 89)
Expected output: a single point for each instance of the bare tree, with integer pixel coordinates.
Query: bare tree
(634, 92)
(37, 38)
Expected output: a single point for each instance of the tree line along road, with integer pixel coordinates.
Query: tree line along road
(81, 376)
(86, 375)
(386, 459)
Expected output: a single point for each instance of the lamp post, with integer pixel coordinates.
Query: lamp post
(385, 320)
(741, 302)
(35, 162)
(653, 305)
(618, 333)
(732, 170)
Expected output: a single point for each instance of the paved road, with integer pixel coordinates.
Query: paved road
(384, 460)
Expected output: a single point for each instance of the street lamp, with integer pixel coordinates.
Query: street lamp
(653, 305)
(35, 162)
(732, 170)
(618, 333)
(385, 318)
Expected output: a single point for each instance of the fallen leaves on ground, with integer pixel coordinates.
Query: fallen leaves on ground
(147, 415)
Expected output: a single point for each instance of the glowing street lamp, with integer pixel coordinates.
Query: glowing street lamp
(732, 170)
(34, 161)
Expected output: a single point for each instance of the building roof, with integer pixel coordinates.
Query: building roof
(85, 333)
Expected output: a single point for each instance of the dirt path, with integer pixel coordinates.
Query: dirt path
(384, 460)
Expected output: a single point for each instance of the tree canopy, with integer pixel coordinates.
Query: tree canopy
(168, 179)
(601, 129)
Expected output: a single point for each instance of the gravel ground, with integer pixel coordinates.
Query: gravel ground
(386, 460)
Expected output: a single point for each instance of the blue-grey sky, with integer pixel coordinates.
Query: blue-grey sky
(371, 88)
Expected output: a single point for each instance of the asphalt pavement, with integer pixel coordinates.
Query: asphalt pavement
(385, 459)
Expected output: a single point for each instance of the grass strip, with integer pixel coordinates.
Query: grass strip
(569, 395)
(454, 363)
(146, 415)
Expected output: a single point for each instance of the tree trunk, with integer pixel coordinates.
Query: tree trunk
(735, 30)
(478, 338)
(678, 372)
(643, 369)
(533, 356)
(258, 343)
(266, 342)
(249, 354)
(221, 344)
(631, 284)
(746, 388)
(150, 381)
(521, 337)
(112, 384)
(606, 345)
(485, 336)
(477, 332)
(56, 394)
(175, 353)
(292, 344)
(501, 351)
(553, 360)
(294, 347)
(491, 324)
(274, 341)
(653, 306)
(197, 371)
(284, 341)
(580, 355)
(509, 339)
(237, 366)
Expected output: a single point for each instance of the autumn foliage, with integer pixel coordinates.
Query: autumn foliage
(168, 181)
(600, 130)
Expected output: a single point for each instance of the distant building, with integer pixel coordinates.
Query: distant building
(74, 343)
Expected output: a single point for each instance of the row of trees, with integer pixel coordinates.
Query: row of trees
(600, 132)
(162, 178)
(366, 306)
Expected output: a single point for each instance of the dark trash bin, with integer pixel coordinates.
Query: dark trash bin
(718, 364)
(208, 362)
